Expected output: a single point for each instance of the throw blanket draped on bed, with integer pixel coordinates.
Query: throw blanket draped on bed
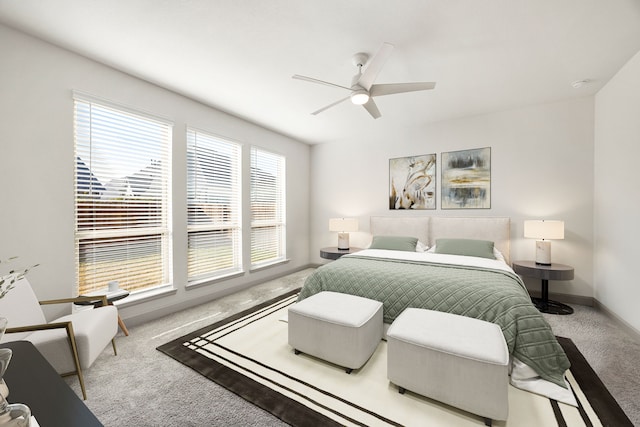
(492, 295)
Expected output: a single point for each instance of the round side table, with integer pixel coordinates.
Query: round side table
(335, 253)
(111, 297)
(546, 273)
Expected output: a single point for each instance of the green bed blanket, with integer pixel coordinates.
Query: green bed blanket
(493, 295)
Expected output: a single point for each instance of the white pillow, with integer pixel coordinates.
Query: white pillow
(498, 255)
(421, 247)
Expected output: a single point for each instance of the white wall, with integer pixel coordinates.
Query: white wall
(617, 202)
(541, 167)
(36, 149)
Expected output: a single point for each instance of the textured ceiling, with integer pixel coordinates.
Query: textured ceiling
(239, 55)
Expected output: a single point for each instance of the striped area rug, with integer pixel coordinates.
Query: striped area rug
(248, 354)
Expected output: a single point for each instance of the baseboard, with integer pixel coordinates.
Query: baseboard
(566, 298)
(219, 293)
(591, 302)
(622, 323)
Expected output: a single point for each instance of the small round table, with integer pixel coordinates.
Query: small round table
(111, 297)
(546, 273)
(335, 253)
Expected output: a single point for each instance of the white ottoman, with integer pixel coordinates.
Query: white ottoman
(453, 359)
(339, 328)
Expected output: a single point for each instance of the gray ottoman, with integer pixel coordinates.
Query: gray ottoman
(453, 359)
(339, 328)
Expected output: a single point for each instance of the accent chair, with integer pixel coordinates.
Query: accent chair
(70, 343)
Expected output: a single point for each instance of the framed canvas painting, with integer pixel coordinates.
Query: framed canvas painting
(412, 182)
(466, 179)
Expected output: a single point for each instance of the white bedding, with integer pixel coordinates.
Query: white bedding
(434, 257)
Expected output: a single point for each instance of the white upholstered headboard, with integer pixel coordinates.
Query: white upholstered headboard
(430, 228)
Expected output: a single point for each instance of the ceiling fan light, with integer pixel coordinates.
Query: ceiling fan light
(360, 97)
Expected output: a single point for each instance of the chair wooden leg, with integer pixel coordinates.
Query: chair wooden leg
(123, 326)
(76, 360)
(113, 343)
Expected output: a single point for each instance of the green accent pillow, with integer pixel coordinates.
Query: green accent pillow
(466, 247)
(394, 243)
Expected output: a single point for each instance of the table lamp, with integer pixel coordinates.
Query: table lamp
(343, 226)
(543, 231)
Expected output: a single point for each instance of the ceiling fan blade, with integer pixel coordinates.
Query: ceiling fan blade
(312, 80)
(375, 66)
(372, 108)
(330, 105)
(391, 88)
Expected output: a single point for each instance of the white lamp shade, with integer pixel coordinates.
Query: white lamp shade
(343, 224)
(544, 229)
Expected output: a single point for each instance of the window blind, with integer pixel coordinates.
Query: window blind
(268, 208)
(213, 203)
(122, 198)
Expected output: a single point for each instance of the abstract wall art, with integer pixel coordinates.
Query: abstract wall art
(412, 182)
(466, 179)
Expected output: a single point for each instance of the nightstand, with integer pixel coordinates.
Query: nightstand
(335, 253)
(111, 297)
(546, 273)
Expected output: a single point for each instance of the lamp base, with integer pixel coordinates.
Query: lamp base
(343, 240)
(543, 252)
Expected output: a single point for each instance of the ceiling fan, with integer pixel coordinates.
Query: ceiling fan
(362, 88)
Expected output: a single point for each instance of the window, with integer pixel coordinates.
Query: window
(213, 202)
(122, 197)
(268, 216)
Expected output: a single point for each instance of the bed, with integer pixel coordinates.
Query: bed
(442, 279)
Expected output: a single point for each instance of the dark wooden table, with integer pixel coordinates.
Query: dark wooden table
(34, 382)
(111, 298)
(546, 273)
(335, 253)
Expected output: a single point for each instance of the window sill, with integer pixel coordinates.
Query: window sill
(212, 280)
(144, 296)
(269, 265)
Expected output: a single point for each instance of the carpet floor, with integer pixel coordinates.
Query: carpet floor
(144, 387)
(248, 354)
